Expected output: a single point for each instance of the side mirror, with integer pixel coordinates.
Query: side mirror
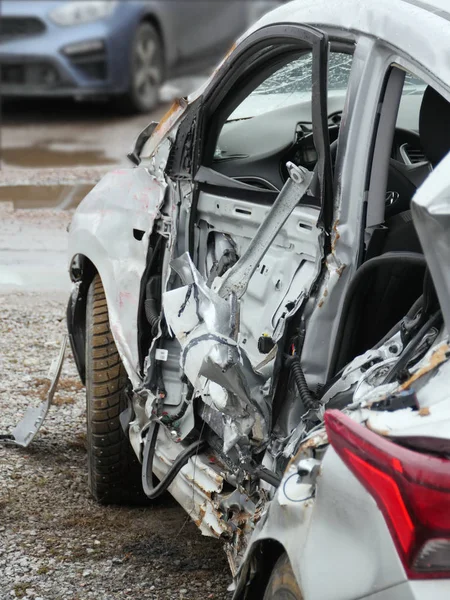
(135, 155)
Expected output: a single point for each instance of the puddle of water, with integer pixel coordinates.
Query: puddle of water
(61, 197)
(41, 156)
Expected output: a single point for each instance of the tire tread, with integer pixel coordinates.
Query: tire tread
(113, 468)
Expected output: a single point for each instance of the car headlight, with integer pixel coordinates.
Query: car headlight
(79, 12)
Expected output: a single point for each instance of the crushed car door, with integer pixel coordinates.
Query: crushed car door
(254, 239)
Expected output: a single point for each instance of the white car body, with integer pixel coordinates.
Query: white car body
(337, 540)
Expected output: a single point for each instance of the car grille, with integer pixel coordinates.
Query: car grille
(12, 27)
(37, 74)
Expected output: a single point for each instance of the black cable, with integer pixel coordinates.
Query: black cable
(181, 460)
(300, 381)
(268, 476)
(151, 304)
(294, 363)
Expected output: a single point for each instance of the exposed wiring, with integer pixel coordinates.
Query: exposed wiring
(180, 461)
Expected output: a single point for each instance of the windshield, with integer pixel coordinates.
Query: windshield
(292, 84)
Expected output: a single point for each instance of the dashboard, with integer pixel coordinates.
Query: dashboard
(255, 149)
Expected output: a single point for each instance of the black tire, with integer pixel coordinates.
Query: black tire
(282, 584)
(114, 472)
(146, 71)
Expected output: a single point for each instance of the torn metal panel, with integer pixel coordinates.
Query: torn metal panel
(206, 326)
(165, 126)
(365, 374)
(194, 487)
(25, 431)
(433, 422)
(309, 442)
(282, 279)
(198, 317)
(135, 155)
(238, 393)
(429, 372)
(429, 382)
(236, 280)
(199, 490)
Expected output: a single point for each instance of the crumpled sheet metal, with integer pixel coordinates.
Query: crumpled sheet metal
(195, 487)
(25, 431)
(198, 488)
(431, 422)
(205, 325)
(429, 380)
(104, 228)
(198, 317)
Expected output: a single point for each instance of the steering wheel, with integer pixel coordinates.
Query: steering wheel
(335, 117)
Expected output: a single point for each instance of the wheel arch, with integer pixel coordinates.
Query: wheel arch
(82, 272)
(257, 569)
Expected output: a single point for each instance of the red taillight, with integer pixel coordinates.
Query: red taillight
(412, 490)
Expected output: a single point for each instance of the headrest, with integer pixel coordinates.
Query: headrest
(434, 125)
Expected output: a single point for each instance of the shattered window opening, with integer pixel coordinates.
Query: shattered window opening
(294, 83)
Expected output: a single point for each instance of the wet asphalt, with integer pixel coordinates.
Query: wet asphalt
(51, 152)
(63, 134)
(42, 141)
(38, 135)
(73, 144)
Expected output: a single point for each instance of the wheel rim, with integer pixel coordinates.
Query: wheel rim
(147, 71)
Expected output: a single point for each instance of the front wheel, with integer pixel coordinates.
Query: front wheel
(146, 70)
(114, 472)
(282, 584)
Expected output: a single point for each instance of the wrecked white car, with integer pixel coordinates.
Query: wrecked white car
(261, 330)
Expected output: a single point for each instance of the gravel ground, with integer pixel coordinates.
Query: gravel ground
(55, 542)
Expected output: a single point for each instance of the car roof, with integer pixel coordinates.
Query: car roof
(418, 28)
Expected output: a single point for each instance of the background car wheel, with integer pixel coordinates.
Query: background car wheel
(114, 472)
(282, 584)
(147, 70)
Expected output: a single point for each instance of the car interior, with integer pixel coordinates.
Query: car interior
(273, 124)
(393, 276)
(254, 148)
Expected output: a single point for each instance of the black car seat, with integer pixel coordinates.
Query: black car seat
(390, 289)
(434, 130)
(434, 126)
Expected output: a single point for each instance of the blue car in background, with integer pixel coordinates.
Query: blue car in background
(113, 48)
